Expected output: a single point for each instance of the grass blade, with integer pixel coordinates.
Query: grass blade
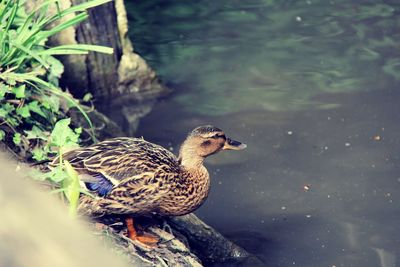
(30, 53)
(83, 7)
(10, 20)
(78, 8)
(32, 79)
(73, 188)
(54, 90)
(76, 49)
(75, 20)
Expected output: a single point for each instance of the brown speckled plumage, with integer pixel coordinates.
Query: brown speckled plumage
(133, 176)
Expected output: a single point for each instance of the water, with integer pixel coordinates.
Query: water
(312, 88)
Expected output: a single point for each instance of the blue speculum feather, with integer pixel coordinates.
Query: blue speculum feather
(102, 185)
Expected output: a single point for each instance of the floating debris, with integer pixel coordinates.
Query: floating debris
(377, 138)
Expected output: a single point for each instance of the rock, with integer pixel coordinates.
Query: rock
(206, 242)
(183, 240)
(170, 252)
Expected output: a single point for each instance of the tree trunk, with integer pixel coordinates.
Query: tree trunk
(123, 85)
(98, 73)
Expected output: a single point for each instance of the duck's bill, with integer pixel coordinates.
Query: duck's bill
(233, 145)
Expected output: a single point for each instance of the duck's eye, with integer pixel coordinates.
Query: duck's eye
(216, 136)
(206, 143)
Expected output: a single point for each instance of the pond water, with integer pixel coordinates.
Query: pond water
(312, 87)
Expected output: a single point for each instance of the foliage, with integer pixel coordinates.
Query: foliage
(31, 101)
(34, 119)
(62, 139)
(72, 188)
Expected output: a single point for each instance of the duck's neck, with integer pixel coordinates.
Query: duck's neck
(194, 174)
(189, 157)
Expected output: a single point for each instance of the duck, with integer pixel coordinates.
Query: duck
(133, 177)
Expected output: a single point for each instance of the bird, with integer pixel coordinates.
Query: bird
(133, 177)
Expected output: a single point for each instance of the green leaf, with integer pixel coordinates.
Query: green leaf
(62, 135)
(19, 91)
(3, 90)
(24, 111)
(83, 6)
(73, 9)
(36, 133)
(76, 49)
(34, 107)
(6, 109)
(72, 187)
(51, 102)
(48, 87)
(57, 174)
(12, 121)
(39, 154)
(11, 81)
(2, 135)
(10, 20)
(29, 52)
(62, 26)
(78, 130)
(87, 97)
(56, 67)
(17, 138)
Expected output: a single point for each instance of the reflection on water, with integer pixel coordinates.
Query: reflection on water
(311, 87)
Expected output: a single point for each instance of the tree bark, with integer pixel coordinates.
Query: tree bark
(121, 75)
(124, 87)
(99, 72)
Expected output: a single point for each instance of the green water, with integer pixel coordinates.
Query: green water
(310, 86)
(272, 55)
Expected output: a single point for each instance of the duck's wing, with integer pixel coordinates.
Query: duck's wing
(105, 165)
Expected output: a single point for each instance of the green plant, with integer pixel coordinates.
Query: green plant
(62, 139)
(30, 100)
(34, 119)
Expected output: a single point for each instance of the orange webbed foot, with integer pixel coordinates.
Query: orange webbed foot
(146, 239)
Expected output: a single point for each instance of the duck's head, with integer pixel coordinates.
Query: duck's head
(206, 140)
